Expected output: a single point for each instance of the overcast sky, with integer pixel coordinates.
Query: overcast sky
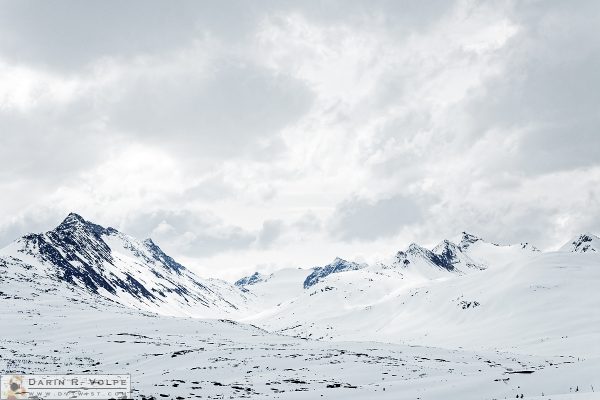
(256, 135)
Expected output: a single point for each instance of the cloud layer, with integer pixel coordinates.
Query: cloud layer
(247, 136)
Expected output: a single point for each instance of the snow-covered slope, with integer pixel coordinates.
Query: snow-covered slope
(468, 319)
(406, 267)
(123, 269)
(473, 295)
(547, 305)
(468, 254)
(325, 301)
(487, 254)
(271, 292)
(584, 243)
(52, 326)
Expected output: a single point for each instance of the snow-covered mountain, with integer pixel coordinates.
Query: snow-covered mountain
(338, 265)
(405, 299)
(467, 254)
(516, 306)
(124, 269)
(583, 243)
(251, 280)
(467, 319)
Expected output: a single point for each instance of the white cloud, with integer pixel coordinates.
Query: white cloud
(283, 134)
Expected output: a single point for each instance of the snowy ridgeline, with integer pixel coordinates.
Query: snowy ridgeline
(490, 321)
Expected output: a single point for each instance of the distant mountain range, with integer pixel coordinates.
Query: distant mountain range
(467, 284)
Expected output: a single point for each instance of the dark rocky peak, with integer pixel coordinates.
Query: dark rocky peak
(415, 249)
(338, 265)
(96, 259)
(162, 257)
(339, 262)
(401, 259)
(468, 239)
(583, 243)
(250, 280)
(72, 219)
(75, 223)
(416, 252)
(449, 255)
(447, 249)
(76, 249)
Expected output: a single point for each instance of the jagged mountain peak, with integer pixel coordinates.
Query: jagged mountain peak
(77, 231)
(339, 261)
(338, 265)
(251, 279)
(446, 246)
(416, 253)
(75, 220)
(468, 239)
(75, 223)
(72, 218)
(149, 242)
(446, 256)
(415, 248)
(161, 256)
(583, 243)
(122, 268)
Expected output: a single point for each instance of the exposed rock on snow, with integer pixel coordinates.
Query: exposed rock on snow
(338, 265)
(584, 243)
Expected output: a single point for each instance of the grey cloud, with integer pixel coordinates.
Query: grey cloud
(398, 16)
(188, 233)
(548, 89)
(238, 110)
(38, 221)
(400, 135)
(49, 144)
(270, 232)
(224, 106)
(211, 188)
(308, 222)
(233, 110)
(70, 34)
(361, 219)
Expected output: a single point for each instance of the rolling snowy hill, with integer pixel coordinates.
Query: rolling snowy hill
(473, 294)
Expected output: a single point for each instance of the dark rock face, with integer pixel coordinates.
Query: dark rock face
(467, 240)
(451, 255)
(250, 280)
(445, 256)
(80, 253)
(77, 251)
(338, 265)
(443, 260)
(162, 258)
(585, 243)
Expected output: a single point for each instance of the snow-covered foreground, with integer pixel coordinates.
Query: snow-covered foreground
(471, 320)
(49, 327)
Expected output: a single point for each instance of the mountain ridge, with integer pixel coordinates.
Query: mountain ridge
(139, 274)
(583, 243)
(122, 268)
